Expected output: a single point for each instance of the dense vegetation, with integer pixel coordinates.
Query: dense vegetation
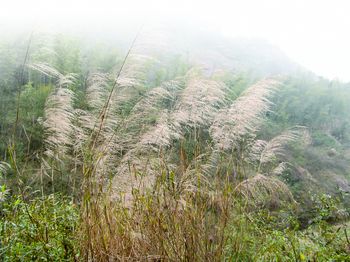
(144, 151)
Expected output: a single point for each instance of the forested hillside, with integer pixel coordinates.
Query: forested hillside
(169, 147)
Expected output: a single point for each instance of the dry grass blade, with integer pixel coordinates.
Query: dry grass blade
(275, 147)
(46, 69)
(162, 134)
(280, 168)
(58, 116)
(244, 116)
(199, 102)
(4, 167)
(262, 191)
(153, 100)
(149, 107)
(135, 71)
(96, 92)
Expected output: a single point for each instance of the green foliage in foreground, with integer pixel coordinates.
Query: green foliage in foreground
(259, 239)
(39, 230)
(45, 229)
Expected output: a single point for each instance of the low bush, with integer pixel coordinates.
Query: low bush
(39, 230)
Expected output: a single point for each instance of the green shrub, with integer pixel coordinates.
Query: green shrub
(39, 230)
(322, 139)
(259, 237)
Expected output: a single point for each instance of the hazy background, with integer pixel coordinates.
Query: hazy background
(314, 33)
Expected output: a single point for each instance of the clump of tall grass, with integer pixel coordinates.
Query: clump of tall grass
(158, 164)
(173, 219)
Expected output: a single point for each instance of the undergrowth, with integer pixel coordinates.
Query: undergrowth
(161, 225)
(42, 229)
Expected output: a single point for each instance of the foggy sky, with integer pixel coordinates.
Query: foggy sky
(314, 33)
